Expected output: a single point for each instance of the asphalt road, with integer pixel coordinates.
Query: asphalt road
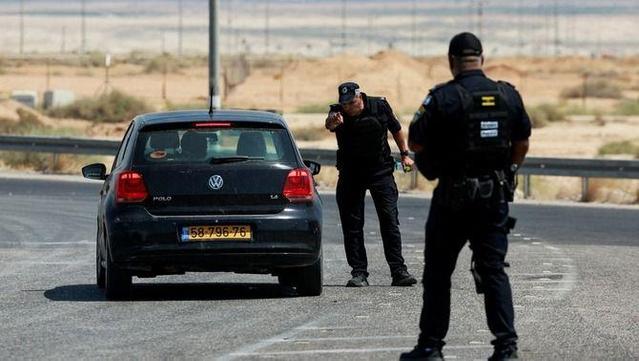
(574, 271)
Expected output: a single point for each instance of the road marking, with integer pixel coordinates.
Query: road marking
(537, 274)
(350, 350)
(31, 243)
(250, 349)
(50, 262)
(326, 328)
(351, 338)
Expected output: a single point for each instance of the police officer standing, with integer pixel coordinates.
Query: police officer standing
(361, 124)
(472, 134)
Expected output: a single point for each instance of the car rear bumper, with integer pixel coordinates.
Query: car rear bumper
(147, 244)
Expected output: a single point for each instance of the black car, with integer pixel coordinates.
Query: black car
(191, 191)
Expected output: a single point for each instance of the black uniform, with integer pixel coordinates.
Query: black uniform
(364, 162)
(466, 127)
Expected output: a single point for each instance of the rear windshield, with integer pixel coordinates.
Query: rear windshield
(211, 144)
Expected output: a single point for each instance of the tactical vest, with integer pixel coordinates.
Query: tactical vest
(486, 125)
(363, 140)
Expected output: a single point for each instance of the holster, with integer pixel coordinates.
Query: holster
(479, 286)
(508, 183)
(461, 192)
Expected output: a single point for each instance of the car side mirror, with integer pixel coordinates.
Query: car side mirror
(313, 166)
(95, 171)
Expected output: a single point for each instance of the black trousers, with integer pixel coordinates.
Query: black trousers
(351, 192)
(484, 225)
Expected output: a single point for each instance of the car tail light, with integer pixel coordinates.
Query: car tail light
(212, 124)
(130, 188)
(299, 185)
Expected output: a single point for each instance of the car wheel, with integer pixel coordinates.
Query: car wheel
(117, 281)
(99, 269)
(310, 279)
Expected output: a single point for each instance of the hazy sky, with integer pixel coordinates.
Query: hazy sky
(321, 28)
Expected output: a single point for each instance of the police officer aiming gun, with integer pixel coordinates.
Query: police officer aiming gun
(472, 134)
(361, 124)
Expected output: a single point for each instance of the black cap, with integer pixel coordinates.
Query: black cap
(347, 91)
(465, 44)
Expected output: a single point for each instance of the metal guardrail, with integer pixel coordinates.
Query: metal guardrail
(565, 167)
(58, 145)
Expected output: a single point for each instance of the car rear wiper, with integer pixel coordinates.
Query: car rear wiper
(237, 158)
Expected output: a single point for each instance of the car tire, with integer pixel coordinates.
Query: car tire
(117, 281)
(100, 277)
(310, 279)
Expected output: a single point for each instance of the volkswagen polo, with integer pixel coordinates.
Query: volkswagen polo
(191, 191)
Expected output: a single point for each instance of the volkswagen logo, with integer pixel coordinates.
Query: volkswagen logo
(216, 182)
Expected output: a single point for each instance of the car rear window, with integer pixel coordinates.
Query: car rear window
(202, 145)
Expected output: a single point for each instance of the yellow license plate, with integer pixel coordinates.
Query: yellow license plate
(216, 233)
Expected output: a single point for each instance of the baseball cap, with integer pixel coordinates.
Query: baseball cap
(347, 91)
(465, 44)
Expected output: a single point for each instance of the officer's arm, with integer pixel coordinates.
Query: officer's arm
(519, 151)
(520, 133)
(395, 128)
(334, 118)
(400, 139)
(420, 125)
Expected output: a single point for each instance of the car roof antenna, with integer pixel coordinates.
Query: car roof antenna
(211, 102)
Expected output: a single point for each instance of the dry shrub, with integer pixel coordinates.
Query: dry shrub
(28, 123)
(112, 107)
(543, 114)
(628, 107)
(594, 89)
(48, 163)
(39, 162)
(622, 147)
(165, 62)
(613, 191)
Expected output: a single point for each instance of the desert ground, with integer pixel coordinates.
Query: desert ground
(302, 88)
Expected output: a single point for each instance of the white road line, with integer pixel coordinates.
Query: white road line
(64, 243)
(539, 281)
(326, 328)
(50, 262)
(251, 349)
(538, 274)
(350, 350)
(352, 338)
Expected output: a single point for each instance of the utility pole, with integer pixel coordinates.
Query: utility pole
(21, 27)
(215, 102)
(83, 46)
(180, 26)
